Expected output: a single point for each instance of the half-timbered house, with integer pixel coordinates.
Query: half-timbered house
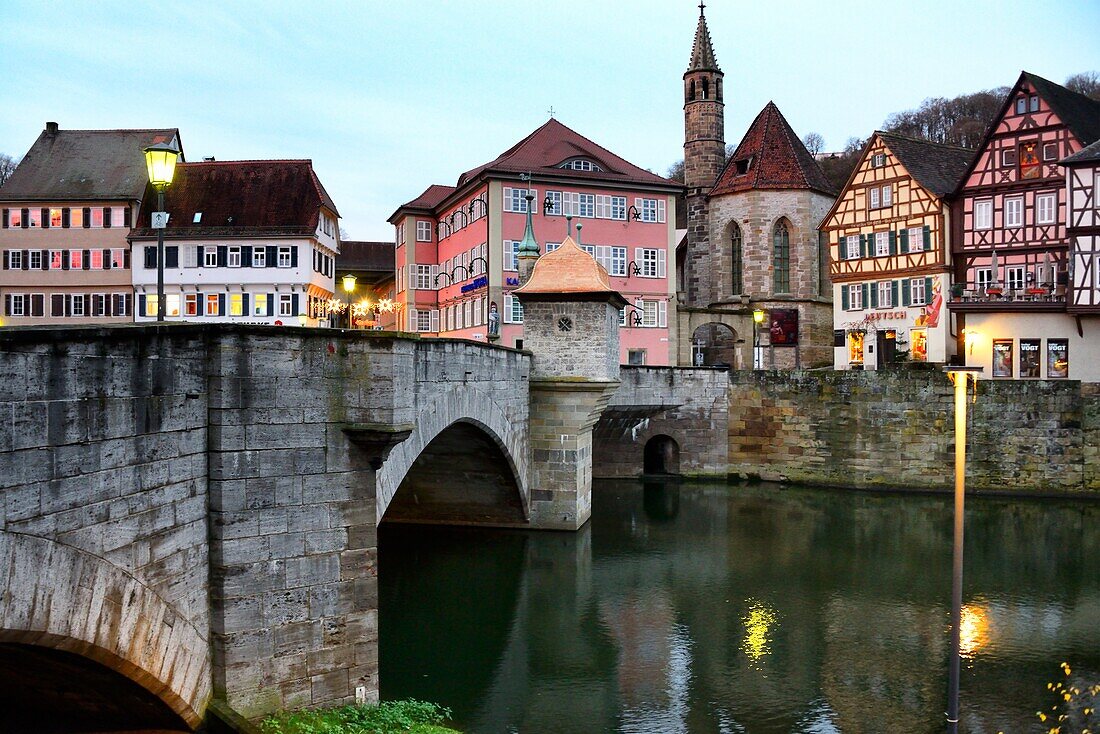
(889, 259)
(1083, 229)
(1010, 245)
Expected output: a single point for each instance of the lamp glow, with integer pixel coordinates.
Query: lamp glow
(758, 315)
(349, 283)
(160, 160)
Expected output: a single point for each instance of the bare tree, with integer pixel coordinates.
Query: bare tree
(838, 166)
(814, 143)
(676, 171)
(343, 234)
(1086, 83)
(7, 167)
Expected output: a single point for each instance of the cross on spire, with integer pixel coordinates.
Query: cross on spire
(551, 110)
(701, 6)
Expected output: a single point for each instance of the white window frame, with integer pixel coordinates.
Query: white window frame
(851, 244)
(423, 230)
(210, 256)
(57, 258)
(983, 214)
(34, 261)
(916, 239)
(1045, 207)
(285, 305)
(618, 208)
(983, 277)
(1054, 147)
(424, 279)
(79, 305)
(283, 257)
(191, 304)
(515, 199)
(235, 302)
(651, 210)
(651, 262)
(171, 304)
(875, 193)
(513, 310)
(1014, 211)
(1015, 276)
(19, 304)
(882, 244)
(855, 296)
(885, 294)
(233, 258)
(917, 295)
(259, 257)
(887, 196)
(511, 255)
(423, 320)
(212, 304)
(556, 203)
(259, 304)
(586, 205)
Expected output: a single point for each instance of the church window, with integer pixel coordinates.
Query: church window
(781, 257)
(706, 89)
(718, 89)
(738, 284)
(691, 90)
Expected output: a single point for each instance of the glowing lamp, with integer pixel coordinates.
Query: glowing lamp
(349, 283)
(758, 315)
(160, 159)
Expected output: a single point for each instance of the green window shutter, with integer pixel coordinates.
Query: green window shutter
(866, 294)
(841, 248)
(893, 293)
(874, 294)
(927, 237)
(905, 288)
(893, 242)
(844, 303)
(905, 240)
(863, 245)
(927, 290)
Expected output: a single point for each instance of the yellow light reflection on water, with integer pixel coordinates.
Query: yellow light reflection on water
(973, 630)
(759, 625)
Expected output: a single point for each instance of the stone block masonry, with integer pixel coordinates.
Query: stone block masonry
(894, 429)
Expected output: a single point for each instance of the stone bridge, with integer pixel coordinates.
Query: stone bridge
(188, 513)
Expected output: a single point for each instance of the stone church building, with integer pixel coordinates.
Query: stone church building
(752, 242)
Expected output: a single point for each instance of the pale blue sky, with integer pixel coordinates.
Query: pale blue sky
(388, 97)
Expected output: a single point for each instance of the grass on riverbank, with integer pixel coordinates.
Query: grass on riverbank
(388, 717)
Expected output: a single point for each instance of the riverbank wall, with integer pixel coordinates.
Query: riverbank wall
(896, 430)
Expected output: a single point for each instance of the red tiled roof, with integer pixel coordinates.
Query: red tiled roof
(571, 271)
(553, 144)
(85, 164)
(244, 198)
(430, 198)
(779, 160)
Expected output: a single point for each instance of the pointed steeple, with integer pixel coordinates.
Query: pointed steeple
(529, 246)
(702, 52)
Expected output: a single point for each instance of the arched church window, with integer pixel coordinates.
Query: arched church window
(781, 257)
(738, 285)
(706, 88)
(718, 89)
(691, 91)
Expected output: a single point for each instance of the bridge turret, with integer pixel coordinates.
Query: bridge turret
(571, 326)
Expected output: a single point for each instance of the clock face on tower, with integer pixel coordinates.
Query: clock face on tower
(565, 324)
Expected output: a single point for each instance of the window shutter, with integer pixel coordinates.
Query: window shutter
(435, 280)
(150, 257)
(893, 242)
(294, 311)
(68, 305)
(927, 290)
(45, 259)
(87, 305)
(841, 247)
(38, 305)
(6, 260)
(294, 256)
(85, 262)
(106, 259)
(221, 304)
(5, 218)
(844, 302)
(927, 237)
(434, 320)
(272, 253)
(57, 305)
(45, 218)
(246, 256)
(412, 316)
(141, 304)
(270, 304)
(172, 256)
(126, 216)
(107, 211)
(64, 259)
(26, 259)
(24, 220)
(660, 210)
(244, 305)
(906, 289)
(662, 314)
(7, 304)
(66, 217)
(86, 220)
(126, 259)
(863, 245)
(868, 288)
(893, 293)
(661, 266)
(223, 256)
(905, 240)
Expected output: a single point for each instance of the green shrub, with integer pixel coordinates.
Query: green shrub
(389, 717)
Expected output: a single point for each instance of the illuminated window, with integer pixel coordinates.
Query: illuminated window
(76, 259)
(55, 217)
(236, 304)
(259, 304)
(96, 216)
(56, 259)
(95, 259)
(191, 304)
(15, 218)
(150, 305)
(172, 304)
(212, 305)
(1030, 166)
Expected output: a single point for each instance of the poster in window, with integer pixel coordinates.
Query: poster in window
(1002, 358)
(855, 347)
(784, 327)
(918, 345)
(1029, 160)
(1029, 358)
(1057, 359)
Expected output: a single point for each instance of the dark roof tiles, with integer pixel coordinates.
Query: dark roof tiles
(363, 255)
(777, 159)
(1079, 113)
(702, 51)
(935, 166)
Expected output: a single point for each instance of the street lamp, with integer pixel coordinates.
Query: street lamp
(757, 319)
(349, 288)
(961, 378)
(160, 159)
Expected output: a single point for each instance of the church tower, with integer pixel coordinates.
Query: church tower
(704, 155)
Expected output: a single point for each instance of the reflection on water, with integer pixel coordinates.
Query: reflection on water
(707, 608)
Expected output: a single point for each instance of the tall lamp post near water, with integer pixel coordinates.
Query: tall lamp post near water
(160, 159)
(349, 288)
(961, 378)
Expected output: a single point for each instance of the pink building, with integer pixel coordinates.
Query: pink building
(457, 246)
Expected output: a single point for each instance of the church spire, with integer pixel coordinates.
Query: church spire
(702, 52)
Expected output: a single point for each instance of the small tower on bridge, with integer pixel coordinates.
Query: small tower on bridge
(571, 326)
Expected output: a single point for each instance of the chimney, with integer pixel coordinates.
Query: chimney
(51, 128)
(208, 159)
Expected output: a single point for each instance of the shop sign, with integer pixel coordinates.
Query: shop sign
(476, 284)
(879, 315)
(511, 281)
(1057, 358)
(1029, 357)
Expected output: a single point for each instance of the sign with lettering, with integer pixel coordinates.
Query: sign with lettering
(1029, 358)
(1057, 359)
(511, 281)
(476, 284)
(1002, 358)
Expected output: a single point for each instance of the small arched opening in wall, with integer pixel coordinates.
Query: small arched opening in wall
(661, 456)
(714, 345)
(462, 477)
(45, 690)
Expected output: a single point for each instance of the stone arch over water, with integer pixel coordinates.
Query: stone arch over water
(69, 615)
(464, 462)
(661, 455)
(714, 344)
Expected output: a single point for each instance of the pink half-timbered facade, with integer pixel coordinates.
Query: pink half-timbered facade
(1011, 250)
(457, 248)
(1083, 200)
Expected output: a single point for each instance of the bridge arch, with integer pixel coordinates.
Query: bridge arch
(461, 413)
(60, 600)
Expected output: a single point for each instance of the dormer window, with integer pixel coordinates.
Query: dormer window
(197, 219)
(581, 164)
(742, 166)
(1021, 105)
(878, 160)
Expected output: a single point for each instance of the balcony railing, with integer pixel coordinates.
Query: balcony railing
(997, 294)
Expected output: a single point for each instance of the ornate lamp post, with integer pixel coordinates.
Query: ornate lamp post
(160, 159)
(961, 378)
(349, 288)
(757, 319)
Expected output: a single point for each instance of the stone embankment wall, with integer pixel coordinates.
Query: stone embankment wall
(896, 429)
(690, 405)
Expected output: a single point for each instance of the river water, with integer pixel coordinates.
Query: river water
(732, 608)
